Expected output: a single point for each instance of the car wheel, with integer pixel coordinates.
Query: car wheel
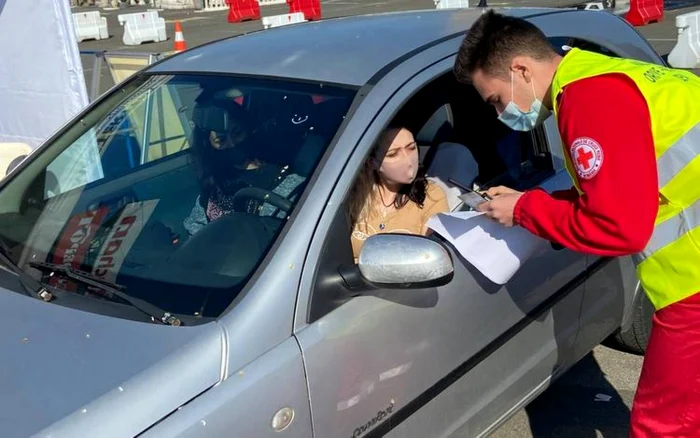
(636, 338)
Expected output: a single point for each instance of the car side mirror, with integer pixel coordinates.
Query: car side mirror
(404, 261)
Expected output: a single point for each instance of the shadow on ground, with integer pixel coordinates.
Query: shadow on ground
(588, 407)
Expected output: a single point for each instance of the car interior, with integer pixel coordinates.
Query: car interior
(295, 127)
(460, 139)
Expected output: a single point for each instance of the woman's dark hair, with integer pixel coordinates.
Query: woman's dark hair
(201, 146)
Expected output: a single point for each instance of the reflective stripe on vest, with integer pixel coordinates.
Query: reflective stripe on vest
(669, 230)
(669, 265)
(675, 158)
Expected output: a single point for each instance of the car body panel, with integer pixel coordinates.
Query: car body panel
(66, 371)
(247, 401)
(333, 50)
(375, 355)
(593, 26)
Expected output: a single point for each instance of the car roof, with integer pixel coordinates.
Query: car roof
(349, 50)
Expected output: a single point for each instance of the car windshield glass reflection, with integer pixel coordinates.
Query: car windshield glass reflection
(172, 189)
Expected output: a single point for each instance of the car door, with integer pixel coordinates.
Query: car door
(435, 361)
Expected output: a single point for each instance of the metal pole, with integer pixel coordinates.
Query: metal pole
(96, 76)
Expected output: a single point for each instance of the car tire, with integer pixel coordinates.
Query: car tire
(636, 338)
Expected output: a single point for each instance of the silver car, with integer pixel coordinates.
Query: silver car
(125, 313)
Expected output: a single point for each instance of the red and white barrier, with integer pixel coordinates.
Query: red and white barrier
(310, 8)
(643, 12)
(243, 10)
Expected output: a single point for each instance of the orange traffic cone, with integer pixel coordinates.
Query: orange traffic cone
(180, 43)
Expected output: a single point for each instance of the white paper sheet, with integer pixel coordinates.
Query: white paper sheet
(496, 251)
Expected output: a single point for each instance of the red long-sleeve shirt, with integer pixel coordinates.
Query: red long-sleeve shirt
(606, 130)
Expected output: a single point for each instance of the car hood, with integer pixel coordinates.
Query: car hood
(68, 372)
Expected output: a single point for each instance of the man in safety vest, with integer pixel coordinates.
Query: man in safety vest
(631, 134)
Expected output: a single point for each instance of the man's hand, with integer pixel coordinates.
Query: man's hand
(502, 205)
(500, 190)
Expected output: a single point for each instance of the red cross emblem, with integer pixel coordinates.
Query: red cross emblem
(587, 156)
(584, 157)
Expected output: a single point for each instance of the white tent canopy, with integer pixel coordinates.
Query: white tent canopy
(41, 75)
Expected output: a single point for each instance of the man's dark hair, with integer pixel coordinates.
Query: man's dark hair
(494, 40)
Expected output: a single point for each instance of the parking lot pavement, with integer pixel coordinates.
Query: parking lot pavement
(592, 399)
(203, 27)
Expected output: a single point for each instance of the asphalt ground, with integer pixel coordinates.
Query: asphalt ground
(594, 398)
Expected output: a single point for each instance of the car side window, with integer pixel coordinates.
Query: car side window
(141, 130)
(427, 115)
(167, 129)
(503, 156)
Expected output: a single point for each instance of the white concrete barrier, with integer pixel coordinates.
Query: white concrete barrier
(90, 26)
(686, 52)
(282, 20)
(272, 2)
(451, 4)
(141, 27)
(215, 5)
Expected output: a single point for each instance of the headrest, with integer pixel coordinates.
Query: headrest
(454, 160)
(308, 156)
(219, 116)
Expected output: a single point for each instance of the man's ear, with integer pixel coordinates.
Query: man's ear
(522, 66)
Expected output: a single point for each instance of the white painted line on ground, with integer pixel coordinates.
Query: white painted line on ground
(185, 20)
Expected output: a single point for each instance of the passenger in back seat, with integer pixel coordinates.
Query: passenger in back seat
(392, 194)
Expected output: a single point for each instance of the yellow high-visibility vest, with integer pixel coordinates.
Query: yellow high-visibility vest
(669, 266)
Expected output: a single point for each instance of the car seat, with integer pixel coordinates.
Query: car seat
(452, 161)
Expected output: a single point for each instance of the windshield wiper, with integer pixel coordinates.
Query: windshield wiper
(156, 313)
(31, 286)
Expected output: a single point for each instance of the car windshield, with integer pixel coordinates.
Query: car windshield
(173, 188)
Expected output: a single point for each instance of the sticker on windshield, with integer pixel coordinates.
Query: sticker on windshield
(75, 242)
(587, 156)
(121, 237)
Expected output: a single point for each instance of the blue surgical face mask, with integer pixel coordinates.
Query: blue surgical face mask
(519, 120)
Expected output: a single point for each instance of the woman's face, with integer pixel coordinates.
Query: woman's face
(230, 139)
(400, 164)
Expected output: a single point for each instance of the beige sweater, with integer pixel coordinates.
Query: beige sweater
(411, 219)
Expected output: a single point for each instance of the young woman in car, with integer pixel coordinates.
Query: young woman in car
(392, 194)
(226, 157)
